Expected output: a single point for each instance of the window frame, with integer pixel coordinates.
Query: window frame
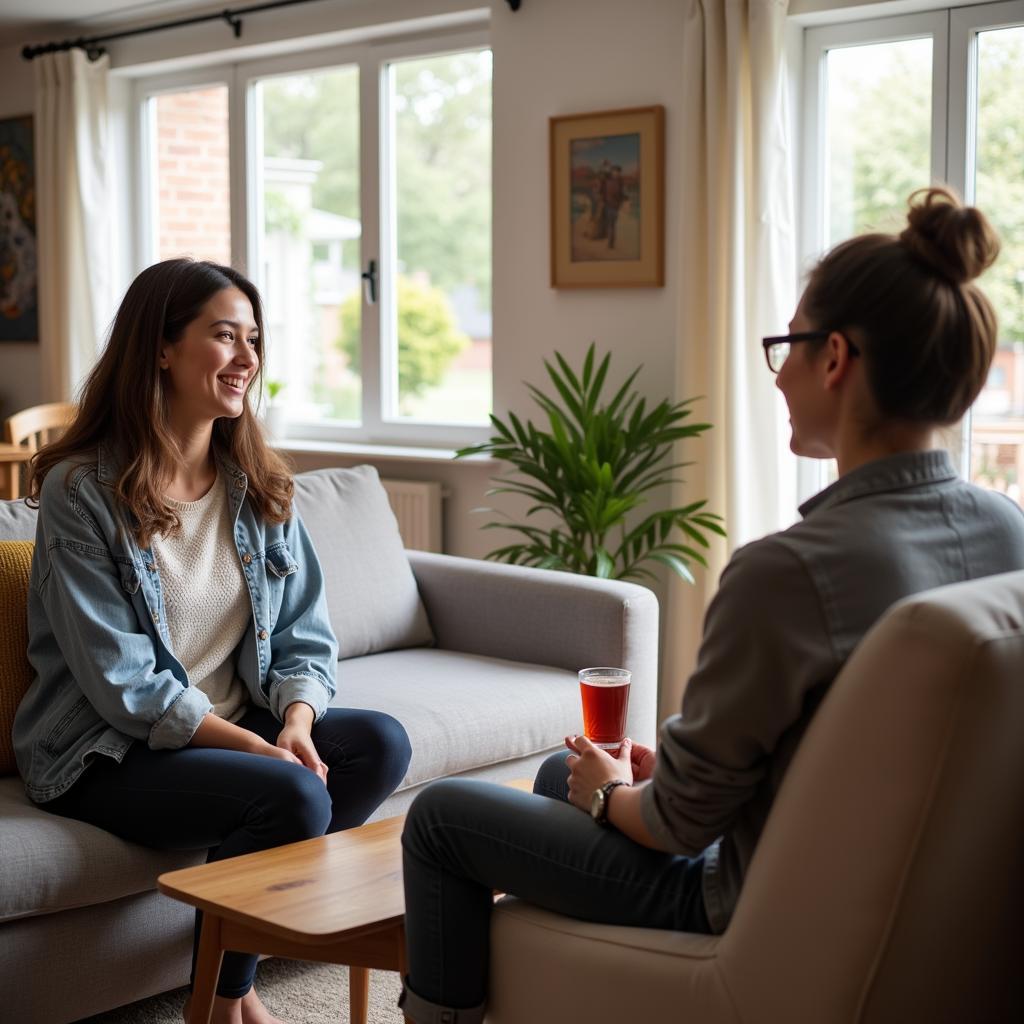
(954, 31)
(818, 41)
(965, 24)
(380, 424)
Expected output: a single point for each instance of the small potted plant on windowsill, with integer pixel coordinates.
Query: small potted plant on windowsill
(274, 410)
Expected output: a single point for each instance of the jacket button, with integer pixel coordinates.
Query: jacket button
(151, 566)
(156, 616)
(239, 484)
(262, 634)
(247, 558)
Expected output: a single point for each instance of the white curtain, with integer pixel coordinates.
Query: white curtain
(75, 243)
(738, 265)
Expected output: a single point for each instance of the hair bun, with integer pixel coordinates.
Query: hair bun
(954, 241)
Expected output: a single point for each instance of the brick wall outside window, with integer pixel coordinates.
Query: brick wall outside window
(192, 174)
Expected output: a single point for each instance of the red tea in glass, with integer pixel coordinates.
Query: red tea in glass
(605, 696)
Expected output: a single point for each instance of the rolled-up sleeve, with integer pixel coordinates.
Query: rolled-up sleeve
(765, 646)
(304, 651)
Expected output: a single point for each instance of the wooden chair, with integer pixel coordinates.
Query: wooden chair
(38, 425)
(29, 430)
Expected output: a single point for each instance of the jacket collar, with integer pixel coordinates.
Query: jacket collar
(893, 473)
(109, 462)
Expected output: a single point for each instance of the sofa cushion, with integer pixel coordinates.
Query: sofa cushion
(15, 670)
(52, 863)
(464, 711)
(371, 592)
(17, 521)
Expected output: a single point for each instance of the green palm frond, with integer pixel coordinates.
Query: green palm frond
(591, 466)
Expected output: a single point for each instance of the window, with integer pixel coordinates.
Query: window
(440, 134)
(187, 138)
(354, 184)
(309, 228)
(894, 104)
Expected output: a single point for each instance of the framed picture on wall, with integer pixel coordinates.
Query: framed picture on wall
(608, 199)
(19, 317)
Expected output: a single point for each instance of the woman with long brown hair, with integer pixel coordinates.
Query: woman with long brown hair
(178, 626)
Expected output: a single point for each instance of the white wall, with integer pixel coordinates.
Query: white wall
(563, 57)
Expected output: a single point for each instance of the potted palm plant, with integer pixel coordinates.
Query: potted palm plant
(591, 468)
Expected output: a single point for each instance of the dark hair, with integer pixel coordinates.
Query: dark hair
(928, 333)
(124, 405)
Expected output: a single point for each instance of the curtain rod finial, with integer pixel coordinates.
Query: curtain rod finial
(514, 4)
(233, 20)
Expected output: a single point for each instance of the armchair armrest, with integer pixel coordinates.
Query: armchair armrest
(546, 618)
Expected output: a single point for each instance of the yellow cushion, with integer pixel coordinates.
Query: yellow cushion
(15, 671)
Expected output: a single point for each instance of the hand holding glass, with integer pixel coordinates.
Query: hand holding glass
(605, 696)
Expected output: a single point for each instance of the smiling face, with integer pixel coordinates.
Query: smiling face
(812, 406)
(208, 370)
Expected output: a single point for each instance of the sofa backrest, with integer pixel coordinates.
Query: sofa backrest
(371, 591)
(17, 521)
(372, 597)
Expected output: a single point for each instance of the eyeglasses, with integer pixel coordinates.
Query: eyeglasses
(776, 348)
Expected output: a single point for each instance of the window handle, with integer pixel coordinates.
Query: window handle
(369, 276)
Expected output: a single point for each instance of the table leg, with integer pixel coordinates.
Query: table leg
(403, 962)
(207, 970)
(358, 994)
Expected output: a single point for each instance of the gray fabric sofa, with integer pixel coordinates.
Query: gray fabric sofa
(477, 660)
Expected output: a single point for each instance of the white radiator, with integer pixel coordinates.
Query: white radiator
(417, 507)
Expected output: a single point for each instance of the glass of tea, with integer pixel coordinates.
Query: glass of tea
(605, 696)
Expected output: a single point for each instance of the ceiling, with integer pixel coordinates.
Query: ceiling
(30, 22)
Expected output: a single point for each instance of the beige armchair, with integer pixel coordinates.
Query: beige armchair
(889, 882)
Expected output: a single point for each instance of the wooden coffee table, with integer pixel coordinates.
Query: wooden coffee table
(336, 899)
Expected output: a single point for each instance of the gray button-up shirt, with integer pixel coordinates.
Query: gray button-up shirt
(789, 610)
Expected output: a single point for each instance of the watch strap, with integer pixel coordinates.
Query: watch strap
(606, 790)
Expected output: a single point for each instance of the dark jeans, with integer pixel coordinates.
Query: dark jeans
(233, 803)
(464, 839)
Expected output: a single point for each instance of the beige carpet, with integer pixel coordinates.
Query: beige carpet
(299, 993)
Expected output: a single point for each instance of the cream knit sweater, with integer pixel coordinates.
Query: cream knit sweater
(206, 600)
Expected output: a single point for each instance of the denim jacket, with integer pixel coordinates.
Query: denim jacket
(99, 644)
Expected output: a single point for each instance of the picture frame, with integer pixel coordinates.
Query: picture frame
(608, 198)
(19, 291)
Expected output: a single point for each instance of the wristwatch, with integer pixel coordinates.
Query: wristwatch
(599, 801)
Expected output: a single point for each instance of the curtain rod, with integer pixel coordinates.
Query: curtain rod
(232, 16)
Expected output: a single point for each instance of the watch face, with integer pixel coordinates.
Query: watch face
(597, 805)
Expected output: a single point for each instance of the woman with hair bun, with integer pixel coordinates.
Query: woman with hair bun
(178, 628)
(891, 340)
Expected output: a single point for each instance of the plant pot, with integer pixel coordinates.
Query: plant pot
(275, 422)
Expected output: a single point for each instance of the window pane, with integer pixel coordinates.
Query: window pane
(878, 130)
(997, 421)
(192, 192)
(441, 138)
(310, 245)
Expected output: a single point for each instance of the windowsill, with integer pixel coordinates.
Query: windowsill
(378, 452)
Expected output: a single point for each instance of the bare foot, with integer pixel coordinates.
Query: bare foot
(247, 1010)
(254, 1012)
